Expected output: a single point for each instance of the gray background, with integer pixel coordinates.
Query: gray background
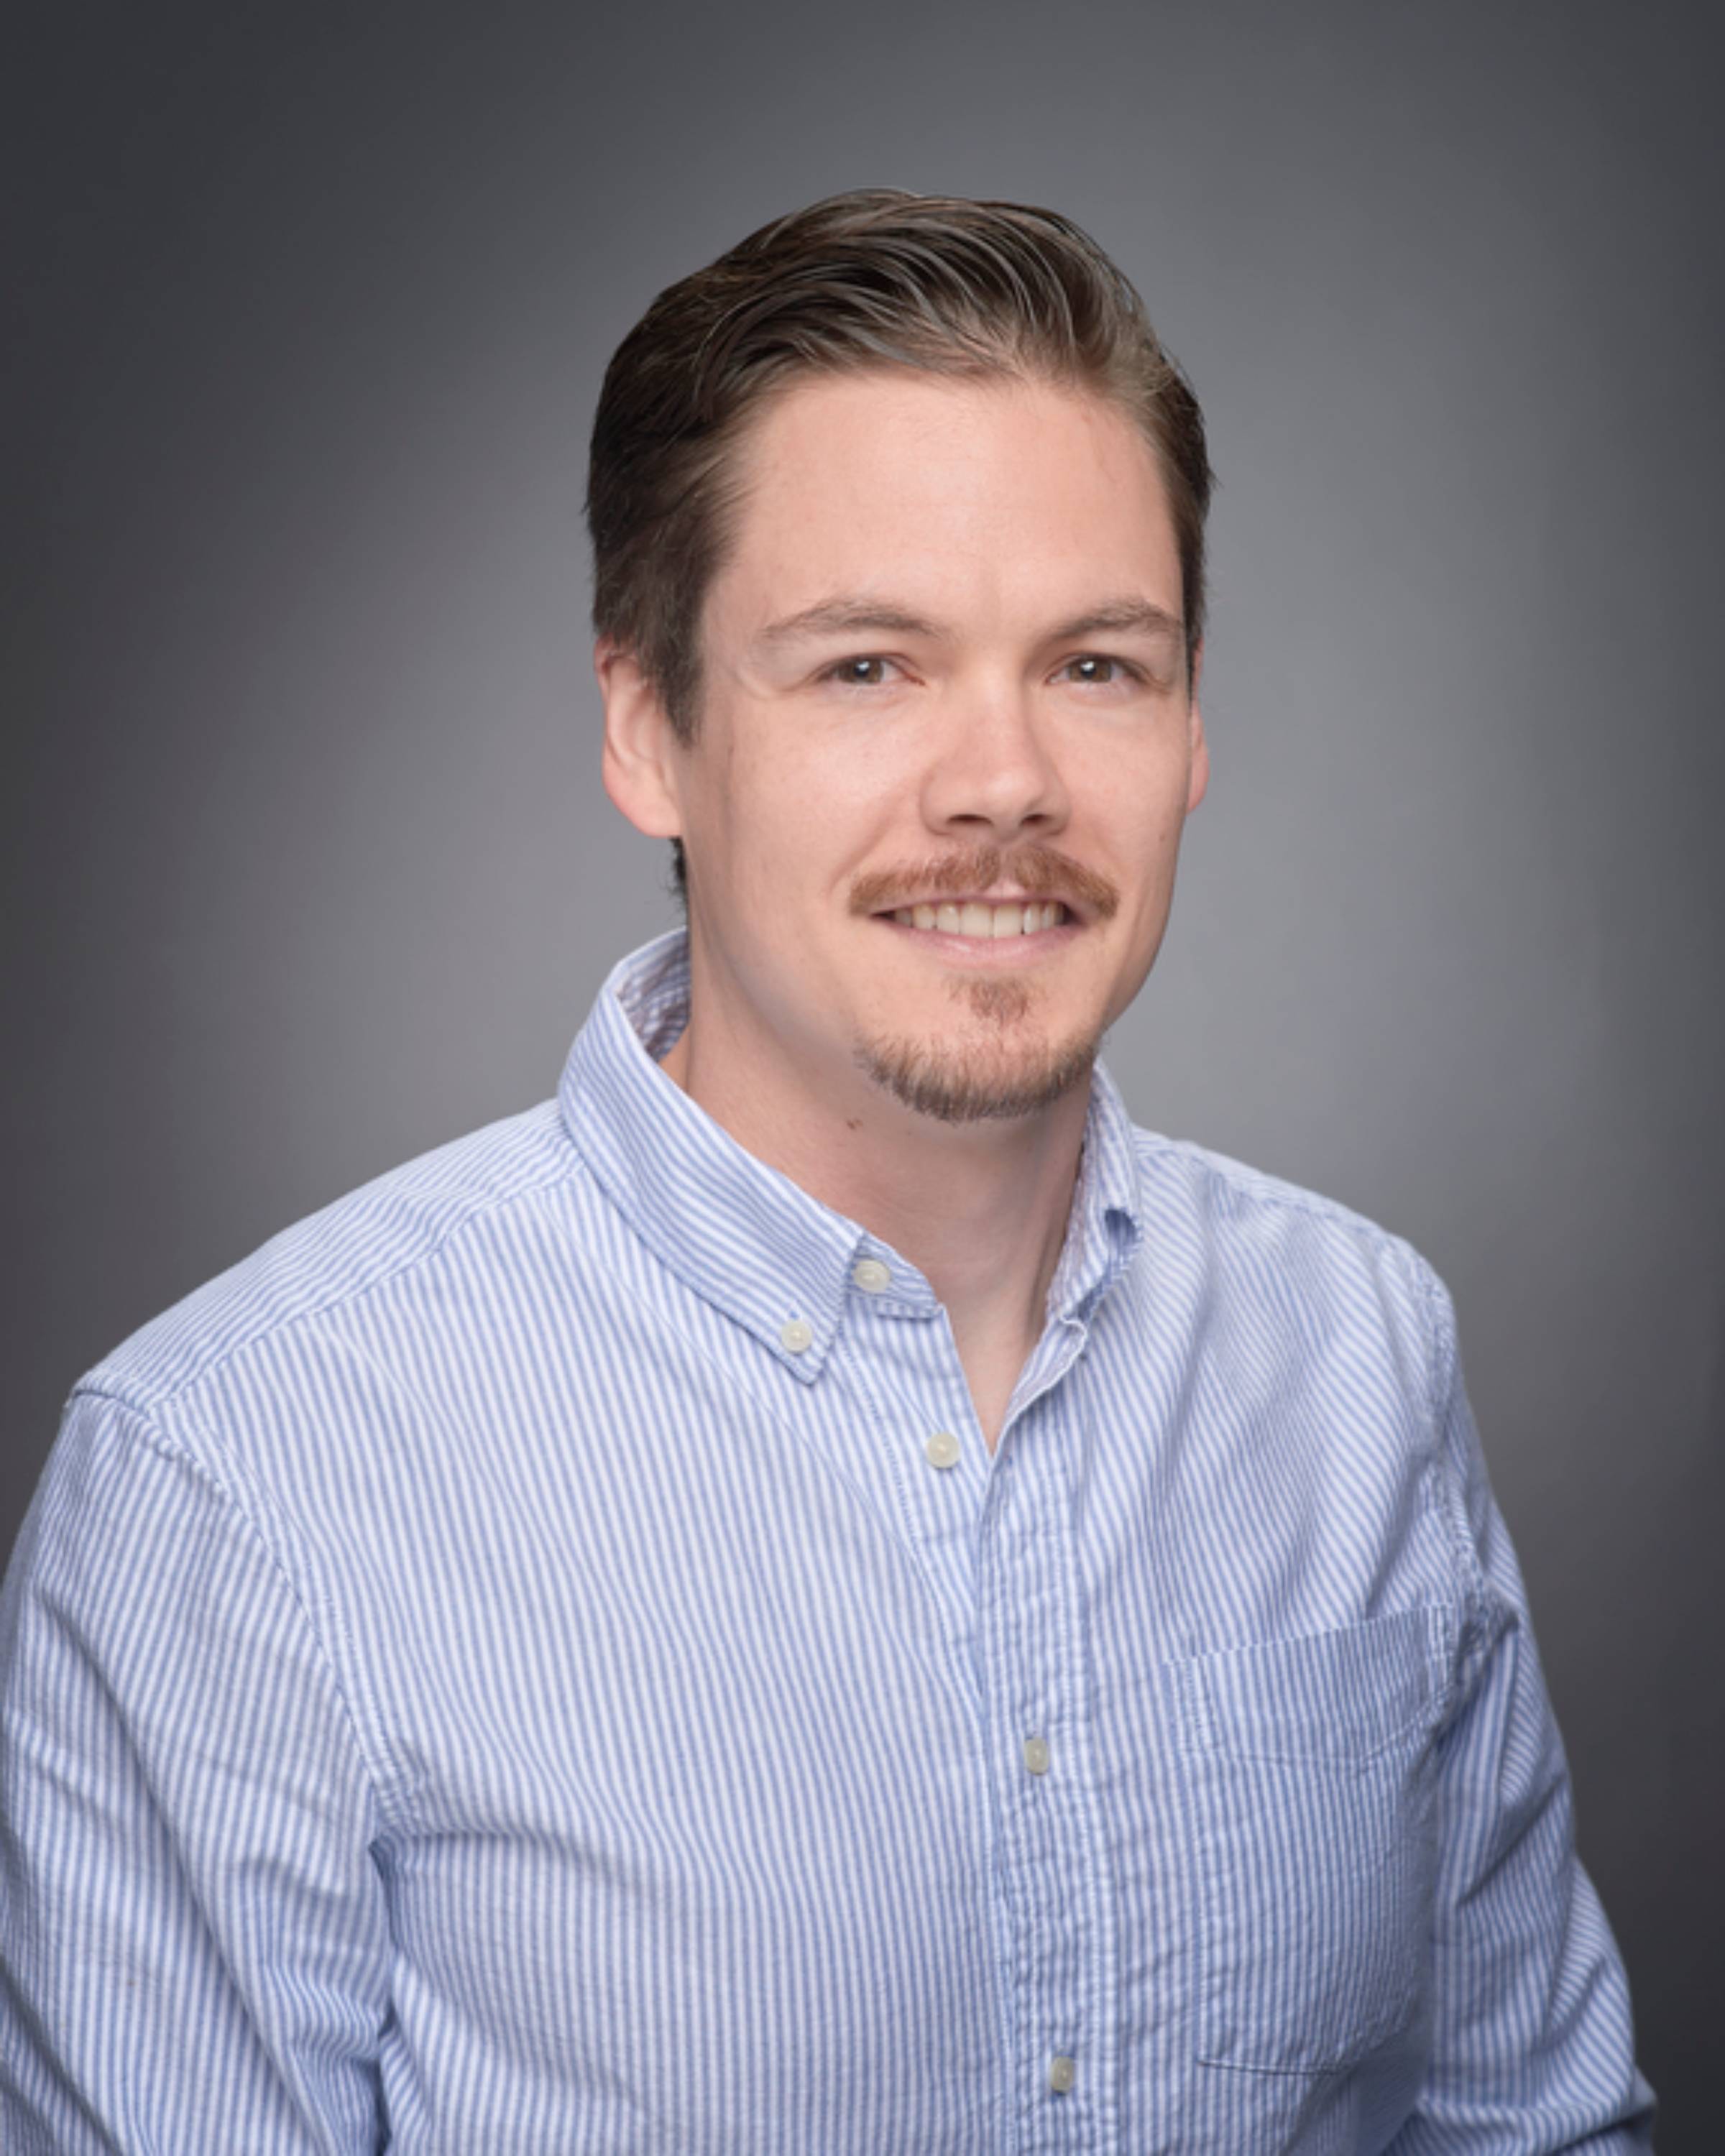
(307, 863)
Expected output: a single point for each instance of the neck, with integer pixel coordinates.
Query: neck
(980, 1208)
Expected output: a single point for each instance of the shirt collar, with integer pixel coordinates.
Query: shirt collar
(745, 1237)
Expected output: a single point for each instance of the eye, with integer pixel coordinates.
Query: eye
(1096, 669)
(866, 670)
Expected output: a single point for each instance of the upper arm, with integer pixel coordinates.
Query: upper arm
(1532, 2048)
(193, 1939)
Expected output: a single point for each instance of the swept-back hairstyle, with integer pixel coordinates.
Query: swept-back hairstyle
(875, 278)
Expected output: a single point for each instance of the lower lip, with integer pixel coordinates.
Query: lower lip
(991, 952)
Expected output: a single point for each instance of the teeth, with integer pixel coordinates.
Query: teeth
(976, 919)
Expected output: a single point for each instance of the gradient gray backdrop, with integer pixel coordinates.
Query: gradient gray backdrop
(308, 867)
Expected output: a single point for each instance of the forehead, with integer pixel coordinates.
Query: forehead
(978, 498)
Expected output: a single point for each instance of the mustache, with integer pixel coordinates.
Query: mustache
(1041, 871)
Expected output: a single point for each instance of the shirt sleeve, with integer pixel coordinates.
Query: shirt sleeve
(1533, 2050)
(193, 1934)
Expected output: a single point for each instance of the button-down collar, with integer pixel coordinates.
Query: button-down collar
(747, 1239)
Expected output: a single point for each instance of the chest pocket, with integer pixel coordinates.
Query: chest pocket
(1308, 1772)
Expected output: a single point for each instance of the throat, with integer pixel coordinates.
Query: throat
(992, 1371)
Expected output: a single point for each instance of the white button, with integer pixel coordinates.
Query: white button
(795, 1335)
(1062, 2072)
(869, 1273)
(941, 1450)
(1036, 1755)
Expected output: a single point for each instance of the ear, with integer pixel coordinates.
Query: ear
(639, 764)
(1197, 784)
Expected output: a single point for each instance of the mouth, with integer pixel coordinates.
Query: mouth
(981, 919)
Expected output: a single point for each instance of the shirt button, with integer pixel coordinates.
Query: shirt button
(871, 1275)
(1062, 2072)
(941, 1450)
(796, 1335)
(1036, 1755)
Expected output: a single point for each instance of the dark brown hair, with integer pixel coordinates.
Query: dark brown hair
(875, 278)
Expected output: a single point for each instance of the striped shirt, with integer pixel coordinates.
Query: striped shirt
(540, 1658)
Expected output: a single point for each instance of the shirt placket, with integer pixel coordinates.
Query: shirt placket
(917, 1445)
(1059, 1919)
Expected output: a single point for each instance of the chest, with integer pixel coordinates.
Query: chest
(753, 1732)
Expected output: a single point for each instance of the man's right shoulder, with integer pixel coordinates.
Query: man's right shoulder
(389, 1237)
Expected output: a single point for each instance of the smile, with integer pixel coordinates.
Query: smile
(974, 918)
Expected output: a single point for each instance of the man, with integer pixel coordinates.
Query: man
(821, 1592)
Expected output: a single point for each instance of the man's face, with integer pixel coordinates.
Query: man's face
(945, 746)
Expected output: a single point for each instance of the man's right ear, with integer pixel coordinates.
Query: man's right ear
(640, 762)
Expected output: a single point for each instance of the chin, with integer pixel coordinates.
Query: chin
(979, 1082)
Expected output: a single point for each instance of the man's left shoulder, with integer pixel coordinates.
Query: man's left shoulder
(1280, 1237)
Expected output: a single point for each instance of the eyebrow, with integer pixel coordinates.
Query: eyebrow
(846, 616)
(1120, 618)
(841, 616)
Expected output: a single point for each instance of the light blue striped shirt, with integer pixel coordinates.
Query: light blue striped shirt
(541, 1659)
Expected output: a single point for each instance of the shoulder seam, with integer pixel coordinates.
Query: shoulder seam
(1271, 1189)
(215, 1357)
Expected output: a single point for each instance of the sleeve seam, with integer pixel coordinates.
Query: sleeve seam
(1485, 1607)
(1440, 1381)
(385, 1790)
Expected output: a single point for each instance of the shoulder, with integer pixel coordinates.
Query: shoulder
(1239, 1191)
(1281, 1246)
(391, 1234)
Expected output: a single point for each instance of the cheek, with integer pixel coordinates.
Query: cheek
(738, 813)
(811, 814)
(769, 851)
(1139, 819)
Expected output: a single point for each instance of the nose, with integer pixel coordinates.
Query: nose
(994, 777)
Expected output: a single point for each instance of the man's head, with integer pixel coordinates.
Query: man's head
(876, 279)
(896, 592)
